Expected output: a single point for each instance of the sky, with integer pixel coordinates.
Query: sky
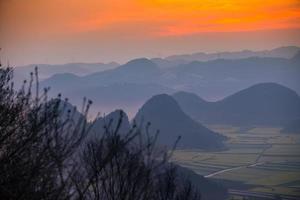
(62, 31)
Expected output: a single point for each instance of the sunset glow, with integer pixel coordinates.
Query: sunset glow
(163, 17)
(30, 20)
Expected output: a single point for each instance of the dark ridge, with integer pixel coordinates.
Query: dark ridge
(166, 116)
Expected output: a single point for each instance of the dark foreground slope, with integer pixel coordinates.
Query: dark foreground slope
(261, 104)
(209, 189)
(166, 116)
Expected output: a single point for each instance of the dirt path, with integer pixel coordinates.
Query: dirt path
(256, 163)
(232, 169)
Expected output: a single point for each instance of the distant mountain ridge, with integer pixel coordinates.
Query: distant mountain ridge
(281, 52)
(131, 84)
(219, 78)
(139, 70)
(261, 104)
(46, 71)
(165, 115)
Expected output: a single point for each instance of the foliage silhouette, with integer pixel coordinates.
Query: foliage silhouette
(45, 153)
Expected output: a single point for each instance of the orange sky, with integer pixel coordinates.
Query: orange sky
(35, 24)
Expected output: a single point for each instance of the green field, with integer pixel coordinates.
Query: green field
(276, 157)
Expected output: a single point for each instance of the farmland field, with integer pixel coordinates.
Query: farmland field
(260, 158)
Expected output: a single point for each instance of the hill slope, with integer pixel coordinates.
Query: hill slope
(292, 127)
(261, 104)
(111, 121)
(139, 70)
(166, 116)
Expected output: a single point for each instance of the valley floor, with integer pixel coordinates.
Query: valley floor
(257, 159)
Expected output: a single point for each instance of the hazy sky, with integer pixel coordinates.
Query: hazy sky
(60, 31)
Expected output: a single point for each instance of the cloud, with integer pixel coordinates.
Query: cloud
(84, 29)
(166, 17)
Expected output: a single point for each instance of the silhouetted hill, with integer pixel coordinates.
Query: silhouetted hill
(209, 189)
(66, 110)
(60, 80)
(111, 121)
(292, 127)
(166, 116)
(190, 103)
(65, 77)
(261, 104)
(140, 65)
(140, 70)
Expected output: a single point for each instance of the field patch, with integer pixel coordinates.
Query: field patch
(262, 157)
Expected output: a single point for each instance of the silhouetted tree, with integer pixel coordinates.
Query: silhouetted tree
(45, 154)
(36, 144)
(128, 166)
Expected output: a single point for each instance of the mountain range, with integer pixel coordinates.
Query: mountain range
(216, 79)
(238, 88)
(46, 71)
(128, 86)
(281, 52)
(260, 104)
